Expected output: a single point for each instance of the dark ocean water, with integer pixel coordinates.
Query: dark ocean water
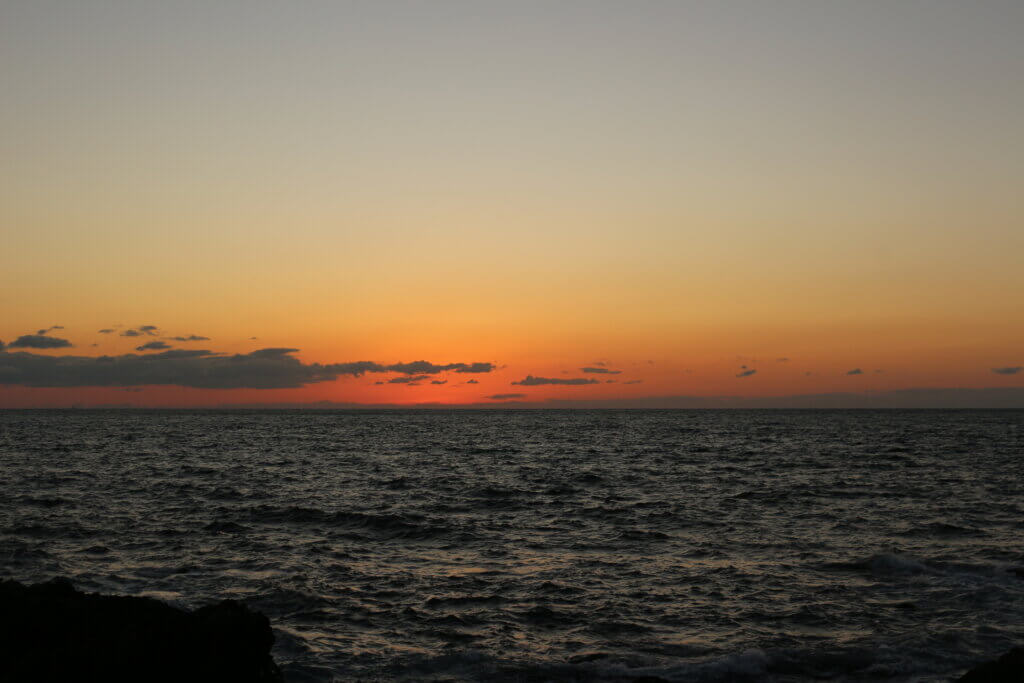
(557, 545)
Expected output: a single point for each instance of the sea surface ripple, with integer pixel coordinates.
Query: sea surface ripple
(545, 545)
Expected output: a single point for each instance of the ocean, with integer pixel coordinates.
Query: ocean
(545, 545)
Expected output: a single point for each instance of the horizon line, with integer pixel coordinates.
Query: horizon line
(941, 398)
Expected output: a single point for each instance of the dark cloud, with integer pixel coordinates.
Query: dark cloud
(634, 381)
(531, 381)
(439, 381)
(418, 367)
(357, 368)
(190, 338)
(50, 329)
(473, 367)
(408, 379)
(39, 341)
(601, 371)
(422, 367)
(1008, 371)
(140, 331)
(271, 368)
(609, 381)
(472, 381)
(153, 346)
(782, 360)
(505, 397)
(106, 331)
(855, 371)
(746, 372)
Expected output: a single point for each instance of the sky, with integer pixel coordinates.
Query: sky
(542, 201)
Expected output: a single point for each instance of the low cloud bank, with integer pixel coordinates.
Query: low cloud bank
(271, 368)
(531, 381)
(39, 341)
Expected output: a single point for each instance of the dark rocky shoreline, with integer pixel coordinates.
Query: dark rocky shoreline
(1009, 667)
(53, 632)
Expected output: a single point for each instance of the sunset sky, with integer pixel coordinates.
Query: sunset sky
(542, 200)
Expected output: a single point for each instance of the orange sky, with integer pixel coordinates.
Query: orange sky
(677, 191)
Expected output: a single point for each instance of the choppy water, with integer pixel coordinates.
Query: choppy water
(533, 546)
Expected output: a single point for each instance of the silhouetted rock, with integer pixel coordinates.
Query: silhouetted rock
(1009, 667)
(52, 632)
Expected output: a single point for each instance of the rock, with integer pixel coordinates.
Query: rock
(52, 632)
(1009, 667)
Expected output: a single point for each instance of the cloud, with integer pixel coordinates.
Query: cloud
(601, 371)
(746, 373)
(408, 379)
(418, 367)
(270, 368)
(782, 360)
(439, 381)
(634, 381)
(39, 341)
(505, 397)
(50, 329)
(1008, 371)
(855, 371)
(422, 367)
(153, 346)
(472, 381)
(106, 330)
(141, 330)
(531, 381)
(190, 338)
